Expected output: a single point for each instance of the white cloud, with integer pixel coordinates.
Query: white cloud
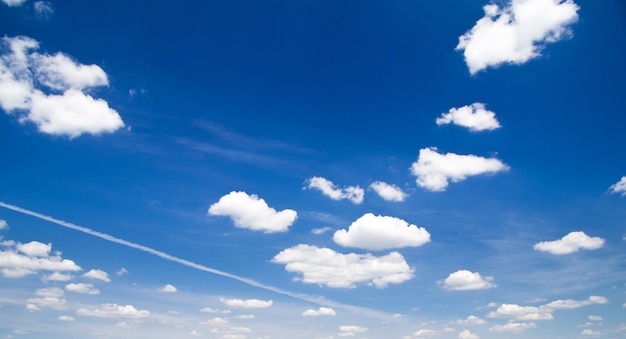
(56, 276)
(214, 310)
(513, 327)
(321, 311)
(168, 289)
(54, 292)
(16, 265)
(619, 187)
(97, 274)
(466, 334)
(47, 298)
(373, 232)
(43, 9)
(82, 288)
(14, 3)
(516, 33)
(216, 322)
(570, 243)
(543, 312)
(49, 91)
(475, 117)
(3, 224)
(113, 311)
(322, 230)
(572, 304)
(195, 333)
(352, 193)
(351, 330)
(424, 333)
(245, 316)
(595, 318)
(388, 192)
(248, 303)
(471, 320)
(434, 170)
(251, 212)
(590, 332)
(464, 280)
(324, 266)
(35, 249)
(66, 318)
(122, 271)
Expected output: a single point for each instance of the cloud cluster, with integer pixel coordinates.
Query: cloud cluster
(251, 212)
(51, 91)
(324, 266)
(475, 117)
(47, 298)
(619, 187)
(434, 170)
(543, 312)
(570, 243)
(464, 280)
(516, 33)
(372, 232)
(352, 193)
(18, 260)
(388, 192)
(466, 334)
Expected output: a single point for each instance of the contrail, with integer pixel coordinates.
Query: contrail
(305, 297)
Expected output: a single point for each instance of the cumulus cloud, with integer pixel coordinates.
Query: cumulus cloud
(434, 170)
(113, 311)
(543, 312)
(97, 274)
(19, 260)
(388, 192)
(51, 91)
(471, 320)
(321, 311)
(352, 193)
(82, 288)
(516, 33)
(466, 334)
(251, 212)
(247, 303)
(570, 243)
(66, 318)
(351, 330)
(464, 280)
(619, 187)
(3, 224)
(47, 298)
(217, 321)
(168, 289)
(475, 117)
(424, 333)
(375, 233)
(56, 276)
(324, 266)
(513, 327)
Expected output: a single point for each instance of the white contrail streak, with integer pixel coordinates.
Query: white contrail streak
(309, 298)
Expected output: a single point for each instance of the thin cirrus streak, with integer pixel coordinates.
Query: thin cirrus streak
(309, 298)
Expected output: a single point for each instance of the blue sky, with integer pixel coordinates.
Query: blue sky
(425, 169)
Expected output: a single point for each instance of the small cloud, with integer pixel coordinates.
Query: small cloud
(14, 3)
(353, 193)
(251, 212)
(97, 274)
(318, 231)
(66, 318)
(248, 303)
(214, 310)
(35, 249)
(388, 192)
(351, 330)
(513, 327)
(595, 318)
(588, 332)
(195, 333)
(3, 225)
(321, 311)
(122, 271)
(375, 233)
(463, 280)
(516, 32)
(168, 289)
(216, 322)
(113, 311)
(619, 187)
(56, 276)
(245, 316)
(434, 170)
(475, 117)
(82, 288)
(471, 320)
(466, 334)
(570, 243)
(424, 333)
(43, 9)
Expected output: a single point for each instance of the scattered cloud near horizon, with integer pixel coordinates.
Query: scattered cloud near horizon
(570, 243)
(516, 32)
(353, 193)
(475, 117)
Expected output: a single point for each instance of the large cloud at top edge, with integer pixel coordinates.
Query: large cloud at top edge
(51, 91)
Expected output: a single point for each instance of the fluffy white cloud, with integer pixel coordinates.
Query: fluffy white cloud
(324, 266)
(619, 187)
(247, 303)
(475, 117)
(66, 318)
(569, 304)
(47, 298)
(466, 334)
(56, 276)
(49, 91)
(113, 311)
(351, 330)
(217, 321)
(36, 257)
(352, 193)
(251, 212)
(424, 333)
(516, 33)
(14, 3)
(318, 312)
(82, 288)
(168, 289)
(434, 170)
(471, 320)
(513, 327)
(543, 312)
(589, 332)
(570, 243)
(388, 192)
(373, 232)
(464, 280)
(97, 274)
(3, 224)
